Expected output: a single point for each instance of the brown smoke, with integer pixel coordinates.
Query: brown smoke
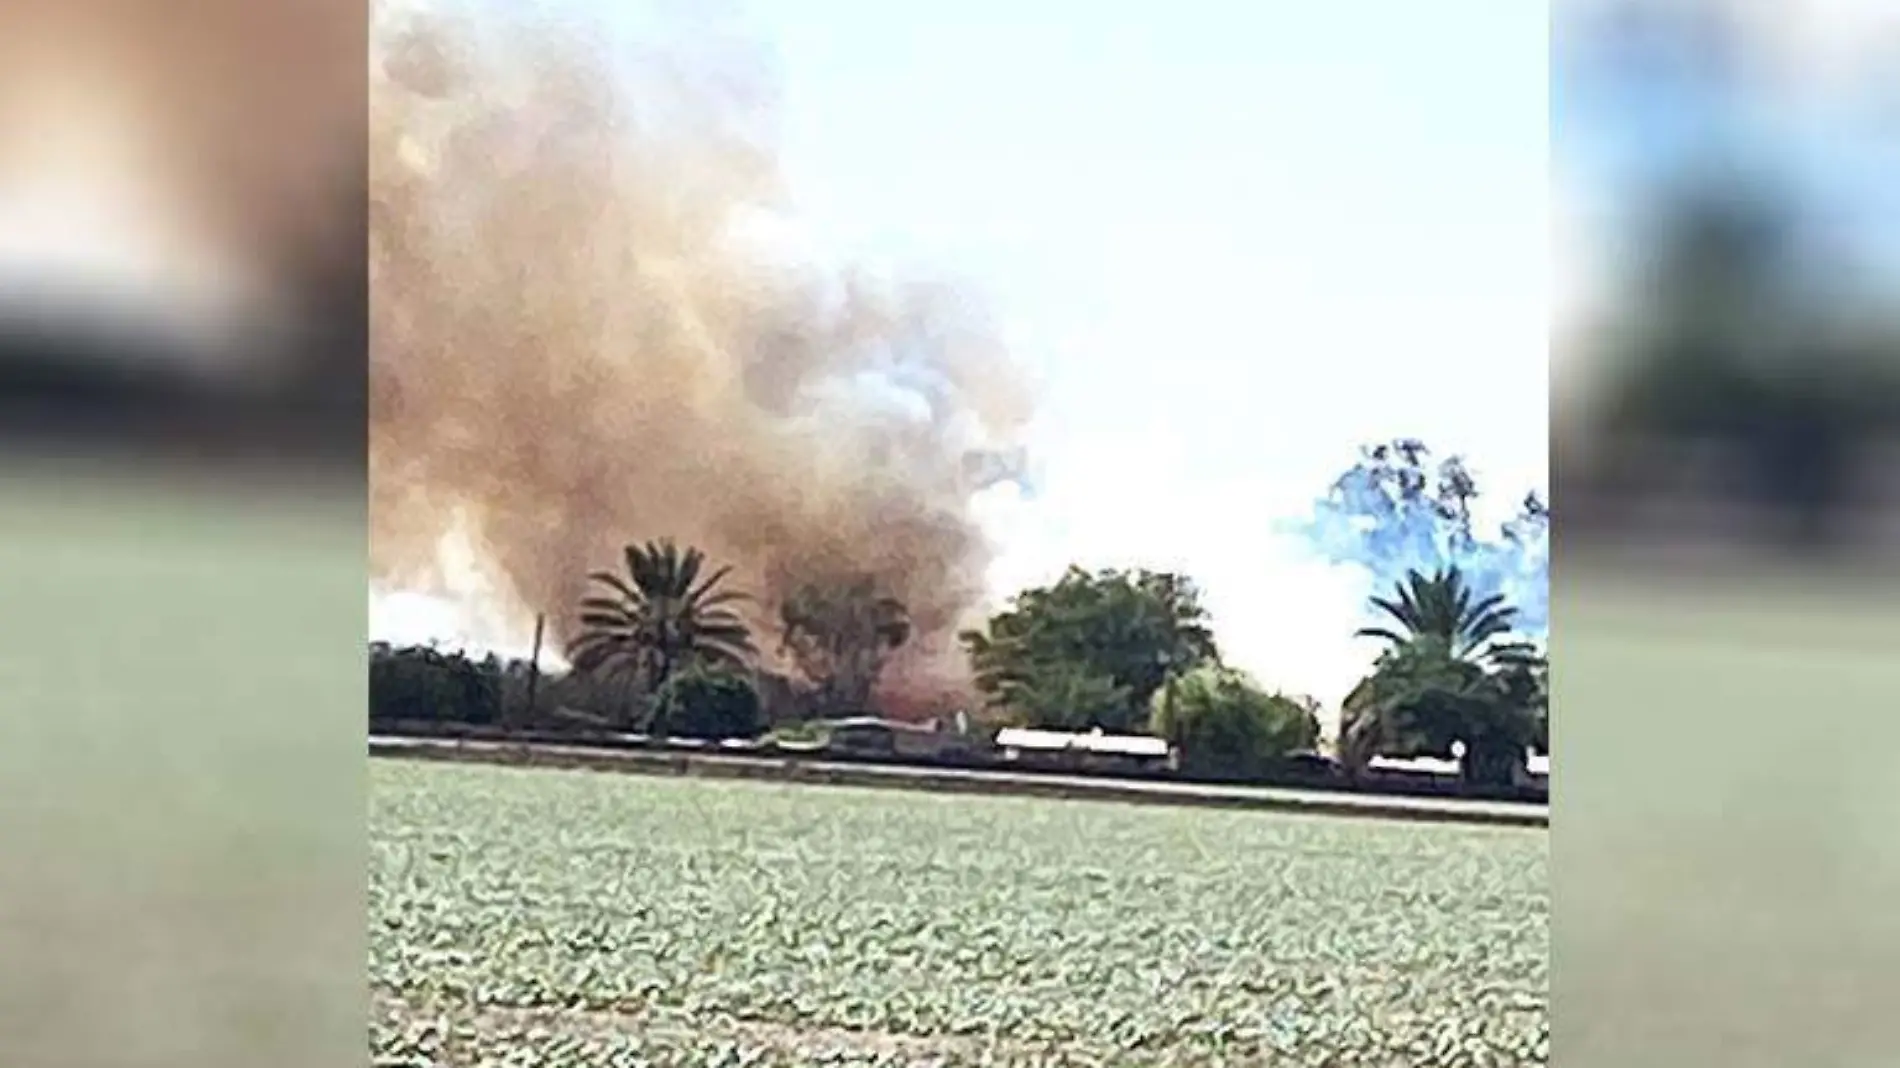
(580, 340)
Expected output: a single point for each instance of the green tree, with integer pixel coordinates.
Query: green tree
(1525, 683)
(664, 615)
(1225, 725)
(1132, 630)
(417, 683)
(1443, 607)
(1062, 696)
(1422, 697)
(840, 635)
(710, 702)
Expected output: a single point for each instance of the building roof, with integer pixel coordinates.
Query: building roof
(1093, 742)
(1423, 765)
(1536, 765)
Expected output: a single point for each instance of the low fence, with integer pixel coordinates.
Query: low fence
(1404, 784)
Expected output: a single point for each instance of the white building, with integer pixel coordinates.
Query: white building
(1095, 747)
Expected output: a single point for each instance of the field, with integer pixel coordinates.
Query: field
(534, 917)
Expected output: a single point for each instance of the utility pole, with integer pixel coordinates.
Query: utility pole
(534, 667)
(1166, 657)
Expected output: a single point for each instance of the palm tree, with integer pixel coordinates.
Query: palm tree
(664, 615)
(1420, 699)
(1449, 673)
(1442, 606)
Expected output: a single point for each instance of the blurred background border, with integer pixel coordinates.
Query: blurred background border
(1725, 362)
(182, 533)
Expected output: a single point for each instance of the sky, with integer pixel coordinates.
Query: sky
(1231, 243)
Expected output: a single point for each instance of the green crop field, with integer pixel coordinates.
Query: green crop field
(533, 917)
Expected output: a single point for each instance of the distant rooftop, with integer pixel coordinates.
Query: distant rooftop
(1535, 764)
(1093, 742)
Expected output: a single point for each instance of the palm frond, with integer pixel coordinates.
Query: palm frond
(1402, 611)
(686, 572)
(618, 585)
(700, 592)
(612, 605)
(722, 597)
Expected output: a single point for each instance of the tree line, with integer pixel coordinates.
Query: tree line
(665, 648)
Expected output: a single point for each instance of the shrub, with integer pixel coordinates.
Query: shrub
(421, 683)
(1224, 725)
(708, 703)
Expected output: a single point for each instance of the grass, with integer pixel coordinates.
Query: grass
(530, 917)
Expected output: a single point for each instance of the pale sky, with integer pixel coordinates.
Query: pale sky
(1231, 243)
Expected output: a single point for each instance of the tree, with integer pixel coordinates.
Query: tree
(1441, 606)
(1131, 630)
(1063, 696)
(1422, 698)
(1526, 685)
(840, 635)
(1398, 510)
(707, 701)
(662, 616)
(423, 683)
(1225, 725)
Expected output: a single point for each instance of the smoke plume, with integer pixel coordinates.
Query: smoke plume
(583, 335)
(1394, 512)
